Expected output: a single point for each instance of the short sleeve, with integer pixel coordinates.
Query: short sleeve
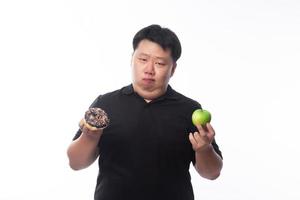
(216, 148)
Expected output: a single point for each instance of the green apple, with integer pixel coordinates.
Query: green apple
(201, 117)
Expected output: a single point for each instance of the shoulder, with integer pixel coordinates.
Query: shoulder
(189, 102)
(109, 97)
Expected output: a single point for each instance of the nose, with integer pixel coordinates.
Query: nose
(149, 68)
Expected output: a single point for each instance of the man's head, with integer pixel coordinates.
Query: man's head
(164, 37)
(156, 51)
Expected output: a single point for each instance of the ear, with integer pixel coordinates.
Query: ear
(173, 68)
(131, 60)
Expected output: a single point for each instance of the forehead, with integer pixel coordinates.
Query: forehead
(150, 48)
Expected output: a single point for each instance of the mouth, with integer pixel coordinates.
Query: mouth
(148, 80)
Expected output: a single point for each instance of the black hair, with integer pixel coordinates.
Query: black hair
(166, 38)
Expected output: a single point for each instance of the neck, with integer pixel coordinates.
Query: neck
(149, 95)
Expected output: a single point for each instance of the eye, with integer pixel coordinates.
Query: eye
(142, 59)
(160, 63)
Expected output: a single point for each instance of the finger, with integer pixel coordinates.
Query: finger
(192, 139)
(197, 137)
(199, 127)
(201, 138)
(210, 129)
(81, 124)
(90, 132)
(205, 128)
(202, 132)
(83, 127)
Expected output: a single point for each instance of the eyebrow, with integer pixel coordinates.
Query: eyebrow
(157, 57)
(143, 54)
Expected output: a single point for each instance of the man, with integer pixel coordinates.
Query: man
(146, 150)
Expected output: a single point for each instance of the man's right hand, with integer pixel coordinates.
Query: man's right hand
(88, 131)
(83, 151)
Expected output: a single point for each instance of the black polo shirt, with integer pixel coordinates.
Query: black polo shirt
(145, 152)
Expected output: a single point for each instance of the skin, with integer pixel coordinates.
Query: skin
(83, 151)
(208, 163)
(152, 68)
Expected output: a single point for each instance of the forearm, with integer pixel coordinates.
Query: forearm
(83, 151)
(208, 163)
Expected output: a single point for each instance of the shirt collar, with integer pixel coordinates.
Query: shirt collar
(128, 90)
(169, 94)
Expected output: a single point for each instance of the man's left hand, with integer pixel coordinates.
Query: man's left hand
(202, 139)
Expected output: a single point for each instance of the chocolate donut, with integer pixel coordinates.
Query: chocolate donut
(96, 117)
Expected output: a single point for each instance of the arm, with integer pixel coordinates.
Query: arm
(83, 151)
(208, 162)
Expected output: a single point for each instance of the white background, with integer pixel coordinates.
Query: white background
(240, 61)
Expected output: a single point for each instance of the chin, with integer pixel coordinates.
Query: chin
(146, 86)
